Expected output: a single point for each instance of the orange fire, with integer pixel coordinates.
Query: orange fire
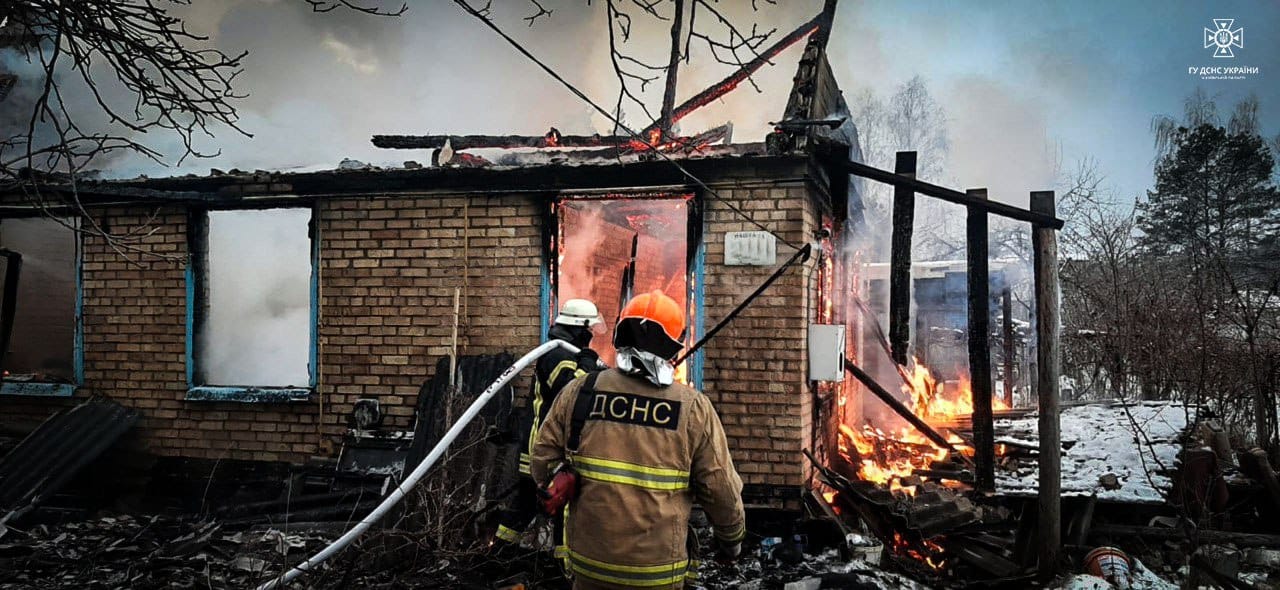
(931, 400)
(888, 457)
(927, 552)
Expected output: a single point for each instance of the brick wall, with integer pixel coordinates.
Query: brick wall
(756, 369)
(388, 273)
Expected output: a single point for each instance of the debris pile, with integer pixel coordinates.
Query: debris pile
(124, 551)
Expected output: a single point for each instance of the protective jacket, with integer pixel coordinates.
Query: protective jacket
(645, 454)
(552, 373)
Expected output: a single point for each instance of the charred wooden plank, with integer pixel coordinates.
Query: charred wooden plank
(985, 560)
(978, 271)
(899, 408)
(962, 476)
(1203, 535)
(904, 207)
(553, 138)
(1044, 245)
(733, 80)
(1046, 220)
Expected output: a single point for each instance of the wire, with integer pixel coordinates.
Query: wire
(615, 121)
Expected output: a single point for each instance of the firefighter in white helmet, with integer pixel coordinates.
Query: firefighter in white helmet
(629, 451)
(577, 323)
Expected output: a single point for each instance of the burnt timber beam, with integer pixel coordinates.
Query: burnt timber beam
(1203, 536)
(953, 196)
(801, 255)
(8, 310)
(468, 142)
(1044, 246)
(727, 85)
(978, 275)
(904, 211)
(899, 408)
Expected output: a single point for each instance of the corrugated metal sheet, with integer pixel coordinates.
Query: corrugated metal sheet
(63, 445)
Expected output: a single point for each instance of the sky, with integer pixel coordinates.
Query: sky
(1028, 87)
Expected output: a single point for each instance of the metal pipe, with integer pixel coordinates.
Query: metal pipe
(403, 489)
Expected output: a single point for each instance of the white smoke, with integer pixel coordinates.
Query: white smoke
(258, 329)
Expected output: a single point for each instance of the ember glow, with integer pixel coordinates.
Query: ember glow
(888, 458)
(926, 552)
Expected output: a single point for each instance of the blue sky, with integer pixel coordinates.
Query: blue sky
(1028, 86)
(1083, 77)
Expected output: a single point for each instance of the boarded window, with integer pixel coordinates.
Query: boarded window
(255, 328)
(42, 348)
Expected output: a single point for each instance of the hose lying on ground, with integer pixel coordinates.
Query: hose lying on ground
(438, 451)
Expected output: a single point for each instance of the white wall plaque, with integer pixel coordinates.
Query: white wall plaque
(750, 248)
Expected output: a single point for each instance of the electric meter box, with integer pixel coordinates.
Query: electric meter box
(826, 352)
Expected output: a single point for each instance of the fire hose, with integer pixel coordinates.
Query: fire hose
(409, 482)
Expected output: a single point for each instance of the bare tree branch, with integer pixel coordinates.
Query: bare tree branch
(542, 11)
(144, 73)
(331, 5)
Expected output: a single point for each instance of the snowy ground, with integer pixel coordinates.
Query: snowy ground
(826, 570)
(1140, 578)
(1139, 447)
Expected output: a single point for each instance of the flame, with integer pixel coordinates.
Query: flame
(887, 458)
(593, 245)
(927, 552)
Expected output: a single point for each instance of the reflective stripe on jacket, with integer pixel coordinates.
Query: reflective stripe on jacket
(552, 373)
(646, 455)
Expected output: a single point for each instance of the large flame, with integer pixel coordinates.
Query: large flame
(887, 458)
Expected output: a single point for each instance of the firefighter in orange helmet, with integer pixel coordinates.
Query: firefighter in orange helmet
(642, 449)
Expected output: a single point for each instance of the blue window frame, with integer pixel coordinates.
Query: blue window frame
(237, 352)
(50, 247)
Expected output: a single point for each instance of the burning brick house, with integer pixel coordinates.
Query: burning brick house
(361, 300)
(388, 250)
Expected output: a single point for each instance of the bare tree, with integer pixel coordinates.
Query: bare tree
(909, 120)
(692, 23)
(145, 75)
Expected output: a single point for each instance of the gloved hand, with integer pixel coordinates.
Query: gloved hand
(727, 553)
(563, 486)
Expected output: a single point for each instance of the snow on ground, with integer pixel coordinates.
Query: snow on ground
(1140, 451)
(825, 570)
(1140, 578)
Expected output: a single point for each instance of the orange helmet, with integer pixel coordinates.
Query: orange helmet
(652, 322)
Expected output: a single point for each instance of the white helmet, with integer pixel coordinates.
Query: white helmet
(578, 312)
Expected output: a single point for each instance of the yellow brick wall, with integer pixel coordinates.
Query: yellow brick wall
(388, 272)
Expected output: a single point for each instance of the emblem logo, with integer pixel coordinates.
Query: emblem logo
(1222, 37)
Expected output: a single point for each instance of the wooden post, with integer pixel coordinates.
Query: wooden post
(978, 273)
(669, 95)
(904, 212)
(1044, 243)
(1006, 308)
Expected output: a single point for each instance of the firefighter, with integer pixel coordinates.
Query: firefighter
(576, 324)
(629, 451)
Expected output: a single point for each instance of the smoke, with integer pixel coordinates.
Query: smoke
(320, 85)
(43, 335)
(596, 249)
(258, 329)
